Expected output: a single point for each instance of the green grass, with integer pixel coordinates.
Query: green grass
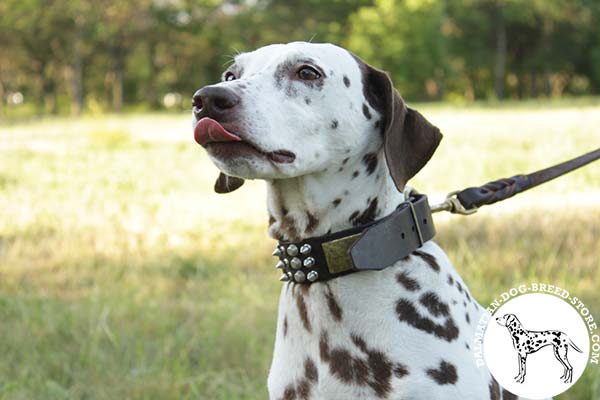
(122, 276)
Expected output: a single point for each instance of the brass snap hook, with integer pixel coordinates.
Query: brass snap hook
(453, 205)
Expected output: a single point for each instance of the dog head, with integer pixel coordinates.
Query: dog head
(288, 110)
(507, 320)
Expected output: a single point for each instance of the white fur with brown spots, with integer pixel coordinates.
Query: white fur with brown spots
(404, 332)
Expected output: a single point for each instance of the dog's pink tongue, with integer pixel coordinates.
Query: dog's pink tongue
(208, 130)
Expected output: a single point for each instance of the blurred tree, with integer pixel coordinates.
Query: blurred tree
(407, 39)
(72, 54)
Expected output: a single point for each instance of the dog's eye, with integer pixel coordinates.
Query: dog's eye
(230, 76)
(308, 73)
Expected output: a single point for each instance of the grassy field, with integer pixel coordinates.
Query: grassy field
(122, 276)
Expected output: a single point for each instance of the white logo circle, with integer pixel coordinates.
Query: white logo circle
(536, 345)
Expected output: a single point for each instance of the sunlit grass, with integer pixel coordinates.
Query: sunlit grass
(122, 275)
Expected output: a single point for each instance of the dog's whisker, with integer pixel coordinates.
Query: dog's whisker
(231, 60)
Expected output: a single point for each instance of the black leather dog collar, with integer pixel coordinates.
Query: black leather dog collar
(369, 247)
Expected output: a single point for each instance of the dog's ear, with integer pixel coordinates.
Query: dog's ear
(409, 139)
(227, 184)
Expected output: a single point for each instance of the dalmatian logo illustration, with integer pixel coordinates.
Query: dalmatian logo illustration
(528, 342)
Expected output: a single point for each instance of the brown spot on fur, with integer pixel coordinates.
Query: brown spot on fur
(343, 366)
(379, 365)
(433, 304)
(312, 222)
(334, 124)
(409, 283)
(334, 307)
(336, 202)
(307, 100)
(366, 112)
(377, 123)
(459, 286)
(359, 342)
(303, 389)
(310, 370)
(271, 220)
(506, 395)
(289, 229)
(400, 370)
(324, 347)
(304, 289)
(289, 393)
(302, 311)
(467, 318)
(494, 389)
(282, 81)
(374, 371)
(346, 81)
(429, 259)
(345, 160)
(370, 160)
(450, 280)
(355, 174)
(367, 215)
(285, 326)
(407, 312)
(382, 373)
(353, 216)
(445, 374)
(467, 346)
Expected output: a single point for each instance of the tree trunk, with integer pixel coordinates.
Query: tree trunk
(520, 85)
(39, 68)
(501, 48)
(441, 71)
(548, 27)
(534, 84)
(77, 101)
(77, 97)
(117, 78)
(49, 88)
(2, 99)
(151, 92)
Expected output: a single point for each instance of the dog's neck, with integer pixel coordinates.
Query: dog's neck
(515, 328)
(358, 191)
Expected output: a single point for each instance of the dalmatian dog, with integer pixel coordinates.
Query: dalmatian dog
(312, 121)
(528, 342)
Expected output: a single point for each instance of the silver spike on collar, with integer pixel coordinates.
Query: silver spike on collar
(297, 263)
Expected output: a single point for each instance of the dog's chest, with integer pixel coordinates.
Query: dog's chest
(404, 332)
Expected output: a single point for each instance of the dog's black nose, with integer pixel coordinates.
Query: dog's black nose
(216, 102)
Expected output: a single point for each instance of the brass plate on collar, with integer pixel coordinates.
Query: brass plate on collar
(336, 253)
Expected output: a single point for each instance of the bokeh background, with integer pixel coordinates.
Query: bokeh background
(123, 276)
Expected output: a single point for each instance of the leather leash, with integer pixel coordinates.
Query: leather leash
(468, 201)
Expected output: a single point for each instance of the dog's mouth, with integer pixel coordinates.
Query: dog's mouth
(222, 143)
